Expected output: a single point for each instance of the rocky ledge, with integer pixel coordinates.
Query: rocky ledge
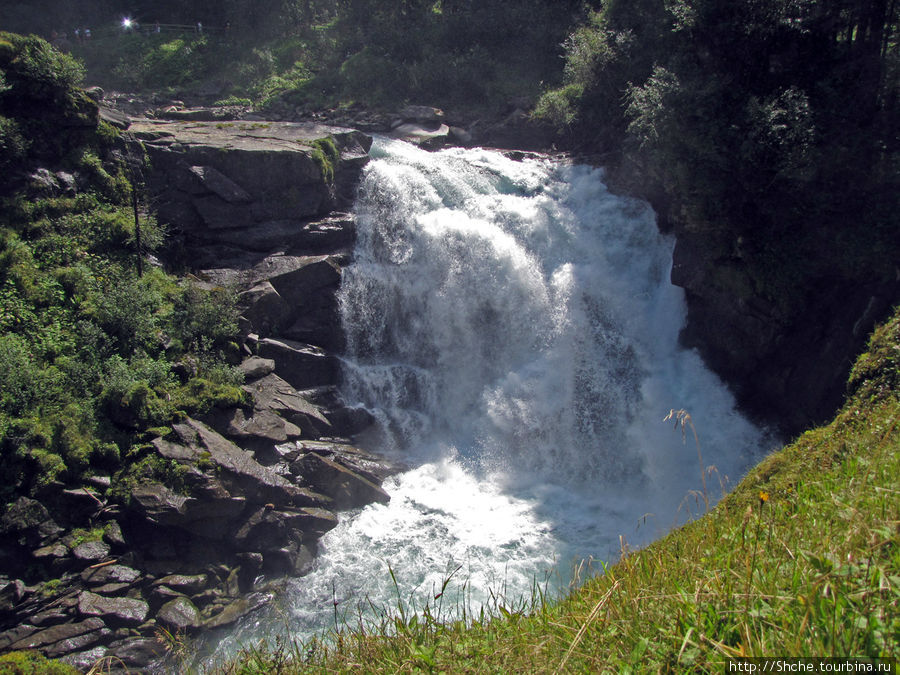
(234, 500)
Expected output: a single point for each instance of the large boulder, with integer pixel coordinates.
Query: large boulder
(304, 366)
(113, 611)
(276, 394)
(210, 178)
(179, 614)
(347, 488)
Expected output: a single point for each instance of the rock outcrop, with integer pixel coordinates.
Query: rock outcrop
(228, 503)
(786, 358)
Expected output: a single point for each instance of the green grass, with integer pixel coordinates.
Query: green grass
(801, 559)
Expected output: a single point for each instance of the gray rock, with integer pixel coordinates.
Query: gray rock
(63, 632)
(44, 182)
(119, 574)
(23, 514)
(113, 536)
(271, 162)
(179, 614)
(116, 611)
(16, 634)
(48, 554)
(460, 135)
(294, 559)
(347, 488)
(220, 184)
(238, 609)
(176, 451)
(273, 393)
(84, 661)
(263, 307)
(239, 471)
(268, 529)
(160, 595)
(255, 367)
(184, 583)
(429, 136)
(262, 425)
(116, 118)
(158, 502)
(303, 366)
(421, 113)
(111, 589)
(56, 614)
(91, 551)
(136, 653)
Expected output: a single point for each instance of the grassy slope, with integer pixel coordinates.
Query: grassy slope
(801, 559)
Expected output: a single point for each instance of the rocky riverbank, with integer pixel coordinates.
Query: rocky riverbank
(117, 568)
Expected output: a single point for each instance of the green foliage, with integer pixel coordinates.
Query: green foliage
(13, 146)
(88, 348)
(43, 110)
(326, 155)
(559, 107)
(147, 467)
(32, 663)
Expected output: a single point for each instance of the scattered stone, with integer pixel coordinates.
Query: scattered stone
(256, 367)
(129, 611)
(179, 614)
(85, 660)
(186, 584)
(238, 609)
(135, 653)
(91, 551)
(67, 631)
(119, 574)
(113, 536)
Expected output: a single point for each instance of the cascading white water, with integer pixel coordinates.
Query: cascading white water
(511, 326)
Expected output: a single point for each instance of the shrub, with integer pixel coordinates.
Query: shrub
(13, 145)
(32, 663)
(559, 106)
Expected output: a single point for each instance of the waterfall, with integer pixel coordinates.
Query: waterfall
(511, 327)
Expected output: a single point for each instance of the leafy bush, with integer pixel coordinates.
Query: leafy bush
(88, 347)
(13, 146)
(32, 663)
(559, 106)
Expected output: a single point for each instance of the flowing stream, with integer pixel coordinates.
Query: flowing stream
(512, 328)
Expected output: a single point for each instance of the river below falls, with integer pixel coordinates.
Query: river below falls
(512, 329)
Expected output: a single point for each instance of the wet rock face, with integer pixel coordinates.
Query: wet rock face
(763, 347)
